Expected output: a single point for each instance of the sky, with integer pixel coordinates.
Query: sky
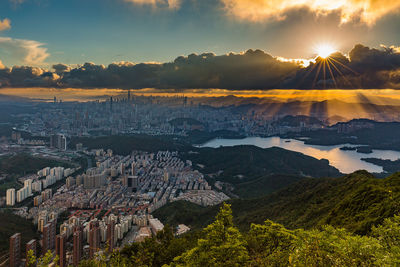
(105, 31)
(40, 34)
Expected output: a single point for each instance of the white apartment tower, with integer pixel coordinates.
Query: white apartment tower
(10, 197)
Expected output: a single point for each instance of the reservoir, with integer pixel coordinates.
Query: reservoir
(346, 161)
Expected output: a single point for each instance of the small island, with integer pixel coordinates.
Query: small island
(364, 149)
(388, 165)
(359, 149)
(347, 148)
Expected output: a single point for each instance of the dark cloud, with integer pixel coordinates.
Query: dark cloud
(253, 69)
(61, 68)
(364, 68)
(25, 76)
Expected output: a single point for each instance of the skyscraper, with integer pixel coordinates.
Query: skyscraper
(28, 185)
(94, 238)
(15, 250)
(61, 242)
(78, 245)
(49, 236)
(10, 197)
(58, 141)
(111, 235)
(31, 245)
(132, 182)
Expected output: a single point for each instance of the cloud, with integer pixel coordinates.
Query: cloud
(1, 65)
(26, 76)
(61, 68)
(5, 24)
(171, 4)
(25, 51)
(367, 11)
(363, 68)
(252, 69)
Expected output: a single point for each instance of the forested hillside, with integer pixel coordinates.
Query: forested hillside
(356, 202)
(266, 244)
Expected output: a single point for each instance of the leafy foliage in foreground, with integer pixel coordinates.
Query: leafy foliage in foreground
(267, 244)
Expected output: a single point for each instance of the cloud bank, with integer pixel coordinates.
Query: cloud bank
(364, 68)
(367, 11)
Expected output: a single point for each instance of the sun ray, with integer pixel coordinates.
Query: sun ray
(306, 75)
(316, 75)
(330, 71)
(350, 69)
(340, 73)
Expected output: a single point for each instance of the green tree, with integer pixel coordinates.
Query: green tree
(31, 259)
(337, 247)
(388, 234)
(223, 244)
(48, 258)
(269, 244)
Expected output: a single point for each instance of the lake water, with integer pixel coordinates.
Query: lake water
(344, 160)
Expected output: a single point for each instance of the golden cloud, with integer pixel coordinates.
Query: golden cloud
(25, 51)
(171, 4)
(367, 11)
(5, 24)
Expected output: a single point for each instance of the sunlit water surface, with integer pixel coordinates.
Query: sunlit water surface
(346, 161)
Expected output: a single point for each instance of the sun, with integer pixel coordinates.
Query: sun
(324, 50)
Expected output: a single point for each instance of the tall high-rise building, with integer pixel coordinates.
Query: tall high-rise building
(28, 185)
(31, 245)
(15, 250)
(78, 246)
(94, 238)
(49, 236)
(111, 235)
(37, 201)
(15, 136)
(61, 243)
(22, 194)
(133, 168)
(132, 183)
(58, 141)
(10, 201)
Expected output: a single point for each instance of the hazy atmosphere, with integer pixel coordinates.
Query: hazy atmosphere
(199, 133)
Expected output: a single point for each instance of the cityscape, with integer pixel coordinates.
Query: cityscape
(99, 200)
(107, 205)
(199, 133)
